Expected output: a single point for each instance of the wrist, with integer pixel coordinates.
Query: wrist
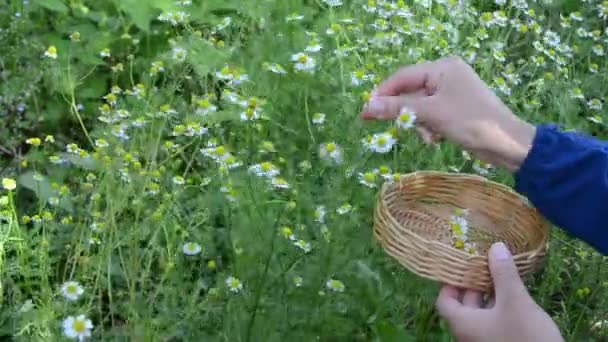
(506, 144)
(517, 139)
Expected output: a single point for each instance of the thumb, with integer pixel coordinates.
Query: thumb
(507, 283)
(389, 107)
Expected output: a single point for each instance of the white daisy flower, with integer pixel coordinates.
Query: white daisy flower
(460, 227)
(335, 285)
(191, 248)
(279, 183)
(320, 214)
(577, 93)
(265, 169)
(294, 17)
(204, 107)
(314, 46)
(601, 324)
(303, 245)
(250, 114)
(576, 16)
(344, 209)
(406, 118)
(551, 38)
(596, 119)
(368, 179)
(382, 142)
(318, 118)
(179, 180)
(71, 290)
(481, 167)
(9, 184)
(276, 68)
(303, 62)
(594, 104)
(179, 54)
(234, 284)
(51, 52)
(77, 327)
(333, 3)
(598, 50)
(331, 151)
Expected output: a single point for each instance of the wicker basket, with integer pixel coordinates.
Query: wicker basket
(413, 218)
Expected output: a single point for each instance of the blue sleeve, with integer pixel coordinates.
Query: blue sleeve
(565, 176)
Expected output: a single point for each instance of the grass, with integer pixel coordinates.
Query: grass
(118, 184)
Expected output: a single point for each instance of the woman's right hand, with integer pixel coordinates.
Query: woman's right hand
(510, 315)
(451, 101)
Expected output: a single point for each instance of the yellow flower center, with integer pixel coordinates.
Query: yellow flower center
(405, 117)
(253, 102)
(287, 232)
(459, 244)
(79, 326)
(204, 103)
(382, 141)
(72, 289)
(383, 169)
(220, 150)
(331, 147)
(303, 59)
(266, 166)
(370, 177)
(225, 71)
(231, 160)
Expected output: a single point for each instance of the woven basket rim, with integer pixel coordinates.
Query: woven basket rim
(529, 254)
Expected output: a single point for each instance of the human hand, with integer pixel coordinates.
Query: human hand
(451, 101)
(511, 315)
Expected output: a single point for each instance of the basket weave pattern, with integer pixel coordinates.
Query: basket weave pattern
(411, 223)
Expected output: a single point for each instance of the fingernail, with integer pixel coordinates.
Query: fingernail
(375, 106)
(501, 252)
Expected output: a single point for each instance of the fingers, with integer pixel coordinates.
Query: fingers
(389, 107)
(448, 304)
(427, 135)
(507, 283)
(472, 299)
(490, 302)
(408, 79)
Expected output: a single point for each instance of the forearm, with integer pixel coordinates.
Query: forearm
(565, 175)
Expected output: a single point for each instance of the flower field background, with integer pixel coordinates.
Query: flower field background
(197, 170)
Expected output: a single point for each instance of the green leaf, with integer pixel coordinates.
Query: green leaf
(140, 12)
(86, 163)
(216, 117)
(96, 88)
(42, 188)
(387, 332)
(53, 5)
(204, 57)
